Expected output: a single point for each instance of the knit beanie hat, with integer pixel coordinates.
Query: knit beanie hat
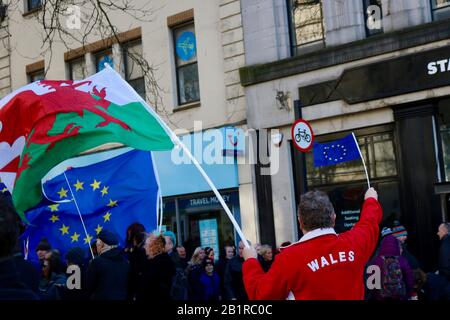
(43, 245)
(207, 261)
(399, 231)
(75, 255)
(386, 231)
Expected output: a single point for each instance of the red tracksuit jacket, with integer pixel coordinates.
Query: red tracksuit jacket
(321, 266)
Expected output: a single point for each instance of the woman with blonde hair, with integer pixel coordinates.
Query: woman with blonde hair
(197, 257)
(194, 272)
(265, 257)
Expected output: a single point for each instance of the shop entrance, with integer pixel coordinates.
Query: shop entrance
(200, 221)
(207, 229)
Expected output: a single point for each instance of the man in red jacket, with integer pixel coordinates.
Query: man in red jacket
(322, 265)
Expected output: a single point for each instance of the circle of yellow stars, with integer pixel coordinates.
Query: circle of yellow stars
(63, 193)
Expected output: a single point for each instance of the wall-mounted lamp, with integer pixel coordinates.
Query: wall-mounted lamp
(277, 139)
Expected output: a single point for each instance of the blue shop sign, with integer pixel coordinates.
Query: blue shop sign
(204, 201)
(215, 149)
(186, 46)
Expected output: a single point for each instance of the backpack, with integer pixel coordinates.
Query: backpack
(392, 286)
(179, 290)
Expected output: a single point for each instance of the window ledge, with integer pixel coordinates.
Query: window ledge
(187, 106)
(32, 11)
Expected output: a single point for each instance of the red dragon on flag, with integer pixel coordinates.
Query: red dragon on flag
(46, 122)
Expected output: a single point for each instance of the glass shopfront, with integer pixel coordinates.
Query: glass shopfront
(201, 220)
(346, 182)
(190, 209)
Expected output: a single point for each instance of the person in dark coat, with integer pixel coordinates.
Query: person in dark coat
(390, 249)
(221, 265)
(53, 279)
(42, 248)
(171, 242)
(11, 285)
(76, 257)
(194, 271)
(436, 286)
(233, 282)
(401, 234)
(108, 273)
(156, 280)
(210, 281)
(182, 255)
(265, 257)
(27, 272)
(135, 253)
(444, 251)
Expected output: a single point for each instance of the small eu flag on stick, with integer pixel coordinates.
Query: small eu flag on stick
(338, 151)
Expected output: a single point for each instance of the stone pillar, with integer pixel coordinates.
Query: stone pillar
(266, 30)
(90, 63)
(118, 61)
(400, 14)
(343, 21)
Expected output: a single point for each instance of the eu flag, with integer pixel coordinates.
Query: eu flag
(337, 151)
(111, 194)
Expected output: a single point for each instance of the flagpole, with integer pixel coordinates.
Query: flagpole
(362, 158)
(213, 187)
(79, 213)
(178, 142)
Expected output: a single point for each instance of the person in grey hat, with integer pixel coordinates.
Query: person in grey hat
(108, 273)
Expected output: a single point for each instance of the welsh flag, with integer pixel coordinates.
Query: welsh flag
(47, 122)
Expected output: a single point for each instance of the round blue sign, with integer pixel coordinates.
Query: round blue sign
(185, 46)
(102, 61)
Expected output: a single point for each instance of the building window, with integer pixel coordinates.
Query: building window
(77, 69)
(373, 17)
(132, 53)
(33, 5)
(346, 182)
(306, 24)
(185, 50)
(36, 76)
(440, 9)
(103, 57)
(444, 130)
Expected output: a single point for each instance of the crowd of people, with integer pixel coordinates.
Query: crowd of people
(361, 263)
(151, 266)
(402, 276)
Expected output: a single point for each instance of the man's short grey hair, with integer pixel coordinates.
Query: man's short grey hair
(315, 210)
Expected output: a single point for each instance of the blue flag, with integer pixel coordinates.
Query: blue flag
(111, 195)
(336, 151)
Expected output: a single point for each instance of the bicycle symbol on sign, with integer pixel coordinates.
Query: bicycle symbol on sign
(301, 134)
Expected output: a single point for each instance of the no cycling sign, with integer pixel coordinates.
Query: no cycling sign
(302, 135)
